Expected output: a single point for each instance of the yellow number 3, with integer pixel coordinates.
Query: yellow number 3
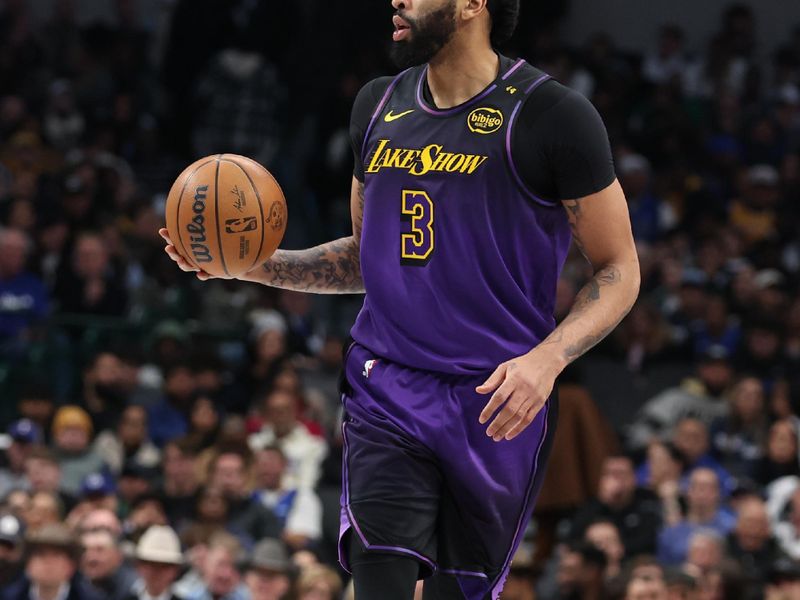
(416, 247)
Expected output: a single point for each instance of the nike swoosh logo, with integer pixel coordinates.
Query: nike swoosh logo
(390, 117)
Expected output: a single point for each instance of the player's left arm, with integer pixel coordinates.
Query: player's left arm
(601, 229)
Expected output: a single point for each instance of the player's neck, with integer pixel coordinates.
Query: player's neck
(461, 71)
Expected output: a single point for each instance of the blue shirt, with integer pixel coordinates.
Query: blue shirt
(23, 301)
(673, 542)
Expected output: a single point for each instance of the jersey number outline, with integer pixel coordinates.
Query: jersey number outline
(416, 247)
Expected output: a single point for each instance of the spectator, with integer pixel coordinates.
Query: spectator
(158, 562)
(43, 509)
(267, 571)
(129, 445)
(104, 394)
(103, 565)
(44, 475)
(180, 484)
(12, 531)
(703, 511)
(72, 432)
(700, 398)
(51, 568)
(205, 421)
(304, 451)
(246, 515)
(220, 578)
(705, 553)
(23, 298)
(169, 418)
(635, 511)
(605, 536)
(667, 62)
(781, 456)
(319, 582)
(640, 588)
(100, 519)
(691, 439)
(298, 510)
(23, 434)
(580, 572)
(752, 546)
(737, 439)
(662, 473)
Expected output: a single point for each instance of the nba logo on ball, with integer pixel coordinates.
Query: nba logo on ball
(485, 120)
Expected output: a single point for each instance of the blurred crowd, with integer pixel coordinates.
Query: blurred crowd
(172, 439)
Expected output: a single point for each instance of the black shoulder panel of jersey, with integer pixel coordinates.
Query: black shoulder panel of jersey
(363, 108)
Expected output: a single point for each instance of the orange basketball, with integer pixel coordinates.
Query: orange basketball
(226, 214)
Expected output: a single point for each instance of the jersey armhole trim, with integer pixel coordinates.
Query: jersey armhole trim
(378, 110)
(509, 154)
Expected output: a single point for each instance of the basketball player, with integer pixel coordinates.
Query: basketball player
(471, 170)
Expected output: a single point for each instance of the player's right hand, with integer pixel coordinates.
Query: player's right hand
(182, 263)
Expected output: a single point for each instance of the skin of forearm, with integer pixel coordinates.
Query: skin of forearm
(599, 307)
(330, 268)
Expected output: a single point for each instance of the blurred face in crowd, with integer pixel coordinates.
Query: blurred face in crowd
(219, 572)
(91, 257)
(18, 502)
(617, 482)
(204, 417)
(13, 252)
(691, 439)
(431, 25)
(748, 400)
(703, 492)
(763, 344)
(147, 514)
(101, 518)
(705, 553)
(180, 383)
(265, 584)
(716, 375)
(178, 467)
(782, 443)
(44, 509)
(271, 345)
(131, 487)
(752, 525)
(17, 454)
(44, 475)
(132, 427)
(50, 567)
(270, 467)
(229, 475)
(605, 536)
(646, 589)
(101, 555)
(72, 438)
(157, 577)
(212, 507)
(281, 412)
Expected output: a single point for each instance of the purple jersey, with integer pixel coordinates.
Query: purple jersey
(460, 261)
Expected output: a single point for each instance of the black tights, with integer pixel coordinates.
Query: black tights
(384, 576)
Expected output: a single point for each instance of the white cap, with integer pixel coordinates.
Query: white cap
(160, 544)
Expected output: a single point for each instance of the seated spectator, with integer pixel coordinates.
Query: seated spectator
(51, 569)
(180, 485)
(169, 418)
(298, 510)
(691, 439)
(44, 508)
(220, 578)
(705, 553)
(662, 473)
(751, 544)
(158, 562)
(699, 397)
(72, 432)
(104, 390)
(12, 531)
(247, 516)
(635, 511)
(23, 297)
(134, 482)
(703, 511)
(640, 588)
(737, 439)
(268, 570)
(580, 572)
(103, 565)
(605, 536)
(44, 474)
(145, 512)
(100, 518)
(23, 434)
(89, 284)
(205, 421)
(304, 451)
(129, 444)
(319, 582)
(781, 457)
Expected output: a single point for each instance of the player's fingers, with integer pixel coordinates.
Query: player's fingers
(522, 424)
(203, 276)
(164, 233)
(182, 263)
(498, 398)
(504, 420)
(494, 380)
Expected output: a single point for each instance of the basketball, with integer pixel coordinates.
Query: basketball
(226, 214)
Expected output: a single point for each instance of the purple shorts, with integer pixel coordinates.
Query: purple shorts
(421, 478)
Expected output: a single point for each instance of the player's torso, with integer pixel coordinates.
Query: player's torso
(459, 262)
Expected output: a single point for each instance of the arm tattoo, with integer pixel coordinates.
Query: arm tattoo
(332, 268)
(573, 216)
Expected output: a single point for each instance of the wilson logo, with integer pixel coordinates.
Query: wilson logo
(485, 120)
(430, 159)
(197, 227)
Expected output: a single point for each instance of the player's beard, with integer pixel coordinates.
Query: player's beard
(429, 34)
